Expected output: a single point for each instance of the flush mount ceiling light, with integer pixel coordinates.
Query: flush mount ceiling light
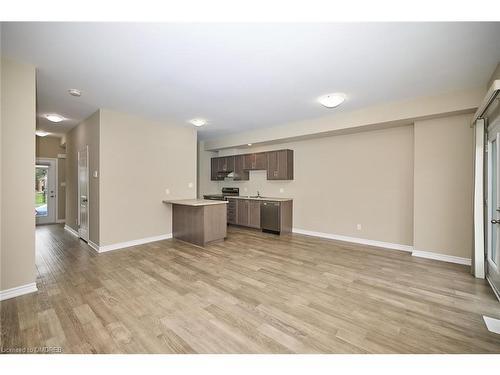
(75, 92)
(198, 122)
(41, 133)
(54, 118)
(332, 100)
(249, 144)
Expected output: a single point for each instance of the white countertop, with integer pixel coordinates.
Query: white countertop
(260, 199)
(194, 202)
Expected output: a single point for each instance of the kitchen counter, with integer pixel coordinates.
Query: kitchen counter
(268, 199)
(194, 202)
(199, 221)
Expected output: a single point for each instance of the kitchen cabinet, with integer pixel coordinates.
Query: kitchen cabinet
(232, 211)
(254, 214)
(242, 212)
(226, 164)
(255, 161)
(240, 174)
(214, 171)
(280, 165)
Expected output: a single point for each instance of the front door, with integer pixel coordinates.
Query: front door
(83, 194)
(45, 191)
(492, 256)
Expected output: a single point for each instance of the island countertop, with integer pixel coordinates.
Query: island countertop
(194, 202)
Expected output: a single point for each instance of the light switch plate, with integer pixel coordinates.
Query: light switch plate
(190, 185)
(167, 191)
(95, 174)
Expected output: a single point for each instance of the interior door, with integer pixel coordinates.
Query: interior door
(83, 194)
(45, 191)
(492, 256)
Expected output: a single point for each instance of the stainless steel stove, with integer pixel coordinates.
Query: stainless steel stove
(226, 191)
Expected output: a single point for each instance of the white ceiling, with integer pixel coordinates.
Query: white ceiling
(245, 76)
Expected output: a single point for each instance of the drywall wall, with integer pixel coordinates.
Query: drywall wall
(341, 181)
(50, 147)
(85, 134)
(17, 170)
(443, 186)
(140, 159)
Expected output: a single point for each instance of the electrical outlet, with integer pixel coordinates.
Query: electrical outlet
(167, 191)
(245, 189)
(358, 227)
(282, 190)
(190, 185)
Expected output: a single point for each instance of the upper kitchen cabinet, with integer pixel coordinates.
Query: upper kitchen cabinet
(214, 171)
(226, 164)
(240, 174)
(255, 161)
(280, 165)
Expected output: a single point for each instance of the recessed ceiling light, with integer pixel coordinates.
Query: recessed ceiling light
(249, 144)
(198, 122)
(332, 100)
(41, 133)
(75, 92)
(54, 118)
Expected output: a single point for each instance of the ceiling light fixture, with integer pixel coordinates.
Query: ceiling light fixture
(249, 144)
(332, 100)
(198, 122)
(54, 118)
(75, 92)
(41, 133)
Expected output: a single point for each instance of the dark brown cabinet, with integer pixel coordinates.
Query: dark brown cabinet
(240, 174)
(232, 211)
(255, 161)
(254, 214)
(280, 165)
(242, 212)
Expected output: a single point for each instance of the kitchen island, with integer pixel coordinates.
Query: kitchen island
(199, 221)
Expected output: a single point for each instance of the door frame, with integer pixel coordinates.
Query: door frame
(493, 128)
(86, 149)
(52, 162)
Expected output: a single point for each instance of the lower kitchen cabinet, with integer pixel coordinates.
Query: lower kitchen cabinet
(242, 212)
(248, 213)
(254, 214)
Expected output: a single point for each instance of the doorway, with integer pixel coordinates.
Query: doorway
(45, 191)
(83, 193)
(492, 263)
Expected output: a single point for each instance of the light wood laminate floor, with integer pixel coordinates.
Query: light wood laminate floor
(253, 293)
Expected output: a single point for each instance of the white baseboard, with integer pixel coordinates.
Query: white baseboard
(441, 257)
(122, 245)
(362, 241)
(18, 291)
(60, 221)
(93, 245)
(71, 230)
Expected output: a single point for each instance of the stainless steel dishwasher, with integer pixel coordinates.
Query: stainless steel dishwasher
(270, 217)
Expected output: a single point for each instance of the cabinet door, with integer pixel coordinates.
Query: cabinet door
(254, 214)
(222, 164)
(242, 212)
(261, 160)
(239, 173)
(249, 161)
(285, 165)
(232, 211)
(229, 163)
(272, 165)
(214, 168)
